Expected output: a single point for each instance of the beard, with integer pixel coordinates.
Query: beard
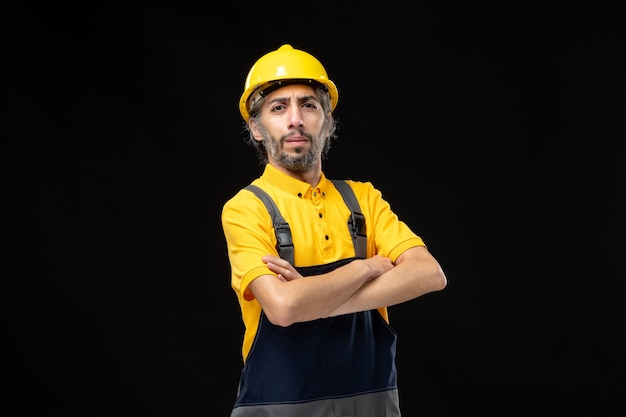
(301, 161)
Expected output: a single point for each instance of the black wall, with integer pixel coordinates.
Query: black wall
(496, 133)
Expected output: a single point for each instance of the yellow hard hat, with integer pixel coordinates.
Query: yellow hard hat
(284, 64)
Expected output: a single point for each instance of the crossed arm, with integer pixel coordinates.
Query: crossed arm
(363, 284)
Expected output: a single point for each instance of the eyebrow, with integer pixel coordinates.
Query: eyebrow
(300, 99)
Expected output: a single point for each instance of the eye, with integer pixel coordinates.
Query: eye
(277, 107)
(310, 105)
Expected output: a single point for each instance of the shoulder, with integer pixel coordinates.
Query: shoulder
(364, 190)
(244, 201)
(355, 184)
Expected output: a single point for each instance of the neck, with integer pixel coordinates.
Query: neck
(312, 177)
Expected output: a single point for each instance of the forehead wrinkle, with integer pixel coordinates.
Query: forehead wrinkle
(302, 93)
(299, 99)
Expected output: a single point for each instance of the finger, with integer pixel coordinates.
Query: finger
(277, 268)
(271, 258)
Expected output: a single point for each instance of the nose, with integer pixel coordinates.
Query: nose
(295, 117)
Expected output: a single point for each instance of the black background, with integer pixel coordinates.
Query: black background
(495, 132)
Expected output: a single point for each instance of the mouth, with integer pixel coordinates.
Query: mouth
(296, 139)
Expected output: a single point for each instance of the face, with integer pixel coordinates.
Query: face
(292, 123)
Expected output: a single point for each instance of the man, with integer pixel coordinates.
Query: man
(317, 336)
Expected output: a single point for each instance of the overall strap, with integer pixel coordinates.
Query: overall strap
(356, 222)
(284, 244)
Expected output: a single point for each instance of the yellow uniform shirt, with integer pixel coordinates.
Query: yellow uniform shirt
(318, 221)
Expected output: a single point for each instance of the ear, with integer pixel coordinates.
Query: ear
(329, 117)
(256, 132)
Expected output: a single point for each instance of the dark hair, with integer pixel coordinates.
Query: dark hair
(255, 117)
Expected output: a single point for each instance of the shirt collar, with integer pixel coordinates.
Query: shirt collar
(292, 185)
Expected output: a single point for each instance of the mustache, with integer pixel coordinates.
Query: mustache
(296, 132)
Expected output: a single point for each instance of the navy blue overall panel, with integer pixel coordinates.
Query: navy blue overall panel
(325, 358)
